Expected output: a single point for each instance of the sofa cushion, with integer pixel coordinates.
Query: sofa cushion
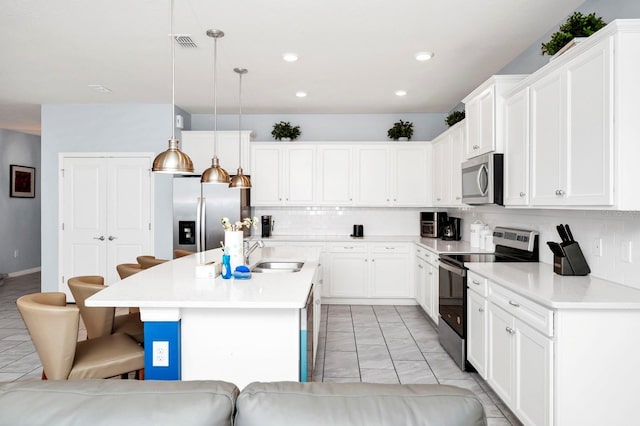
(291, 403)
(110, 402)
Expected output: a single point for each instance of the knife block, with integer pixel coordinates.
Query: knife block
(572, 263)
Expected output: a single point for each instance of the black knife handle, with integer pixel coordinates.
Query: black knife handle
(566, 227)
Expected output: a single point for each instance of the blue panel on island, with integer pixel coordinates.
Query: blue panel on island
(162, 350)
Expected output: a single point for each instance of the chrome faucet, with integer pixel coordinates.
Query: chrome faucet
(248, 250)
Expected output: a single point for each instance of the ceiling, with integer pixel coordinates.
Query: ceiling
(353, 54)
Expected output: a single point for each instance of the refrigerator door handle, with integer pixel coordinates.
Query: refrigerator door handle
(199, 225)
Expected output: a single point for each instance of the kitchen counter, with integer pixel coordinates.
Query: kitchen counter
(538, 282)
(174, 285)
(213, 329)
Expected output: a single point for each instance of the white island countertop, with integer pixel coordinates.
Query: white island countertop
(174, 284)
(538, 282)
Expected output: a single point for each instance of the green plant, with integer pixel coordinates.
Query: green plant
(284, 129)
(401, 129)
(454, 117)
(577, 25)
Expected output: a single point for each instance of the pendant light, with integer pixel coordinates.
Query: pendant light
(215, 173)
(240, 180)
(173, 160)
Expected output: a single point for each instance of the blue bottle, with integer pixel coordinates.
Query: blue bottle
(226, 266)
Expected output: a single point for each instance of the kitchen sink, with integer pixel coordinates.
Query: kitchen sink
(273, 266)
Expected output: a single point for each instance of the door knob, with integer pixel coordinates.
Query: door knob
(101, 238)
(111, 238)
(522, 194)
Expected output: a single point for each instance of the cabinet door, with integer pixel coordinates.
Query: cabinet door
(589, 167)
(267, 166)
(516, 156)
(430, 292)
(420, 278)
(372, 176)
(390, 276)
(500, 374)
(300, 170)
(458, 140)
(348, 275)
(477, 332)
(199, 145)
(335, 184)
(534, 372)
(548, 132)
(411, 176)
(473, 117)
(487, 121)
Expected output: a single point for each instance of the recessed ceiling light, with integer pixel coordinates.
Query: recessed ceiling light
(99, 88)
(301, 94)
(424, 56)
(290, 57)
(401, 92)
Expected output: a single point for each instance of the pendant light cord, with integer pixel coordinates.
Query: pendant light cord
(215, 97)
(240, 123)
(173, 77)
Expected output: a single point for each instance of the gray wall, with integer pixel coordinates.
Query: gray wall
(102, 128)
(329, 127)
(19, 217)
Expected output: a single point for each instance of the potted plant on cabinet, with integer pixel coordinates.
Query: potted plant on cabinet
(284, 130)
(401, 130)
(454, 117)
(576, 26)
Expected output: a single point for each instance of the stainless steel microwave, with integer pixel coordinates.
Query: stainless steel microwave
(482, 179)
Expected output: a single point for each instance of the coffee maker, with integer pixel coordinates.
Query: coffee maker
(452, 230)
(267, 226)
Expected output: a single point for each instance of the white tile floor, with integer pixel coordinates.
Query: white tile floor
(382, 344)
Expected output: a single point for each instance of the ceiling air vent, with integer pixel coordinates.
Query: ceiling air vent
(185, 41)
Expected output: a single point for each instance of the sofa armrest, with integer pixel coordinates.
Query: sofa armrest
(292, 403)
(110, 402)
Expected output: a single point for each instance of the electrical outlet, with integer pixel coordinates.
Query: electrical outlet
(160, 351)
(596, 247)
(626, 252)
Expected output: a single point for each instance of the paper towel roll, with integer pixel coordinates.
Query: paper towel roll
(474, 237)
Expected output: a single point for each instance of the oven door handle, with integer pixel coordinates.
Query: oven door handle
(455, 269)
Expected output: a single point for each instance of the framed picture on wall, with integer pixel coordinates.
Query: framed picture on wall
(23, 181)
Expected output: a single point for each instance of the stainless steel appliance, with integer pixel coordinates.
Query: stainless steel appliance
(482, 180)
(512, 245)
(452, 229)
(432, 224)
(198, 209)
(267, 226)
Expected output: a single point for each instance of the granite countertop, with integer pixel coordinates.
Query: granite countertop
(538, 282)
(174, 284)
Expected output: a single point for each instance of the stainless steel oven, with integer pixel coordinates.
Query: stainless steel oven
(512, 245)
(432, 223)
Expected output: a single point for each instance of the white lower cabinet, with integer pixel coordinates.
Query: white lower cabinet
(375, 270)
(426, 281)
(477, 332)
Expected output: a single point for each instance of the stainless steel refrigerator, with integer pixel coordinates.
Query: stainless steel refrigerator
(198, 209)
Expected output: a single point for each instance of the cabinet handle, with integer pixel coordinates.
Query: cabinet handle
(366, 260)
(389, 248)
(512, 303)
(348, 248)
(420, 266)
(101, 238)
(475, 282)
(430, 273)
(350, 199)
(559, 192)
(522, 194)
(111, 238)
(458, 198)
(480, 309)
(387, 200)
(476, 147)
(510, 330)
(394, 200)
(438, 199)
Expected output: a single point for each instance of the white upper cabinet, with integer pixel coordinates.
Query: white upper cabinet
(446, 170)
(282, 175)
(516, 150)
(372, 175)
(198, 145)
(411, 177)
(335, 180)
(484, 118)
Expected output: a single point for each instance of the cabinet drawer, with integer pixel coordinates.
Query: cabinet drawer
(477, 284)
(425, 254)
(535, 315)
(390, 248)
(347, 248)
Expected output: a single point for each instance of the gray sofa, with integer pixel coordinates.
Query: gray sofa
(216, 403)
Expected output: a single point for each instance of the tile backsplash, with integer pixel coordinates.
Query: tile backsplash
(617, 233)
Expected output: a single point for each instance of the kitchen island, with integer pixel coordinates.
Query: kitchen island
(210, 328)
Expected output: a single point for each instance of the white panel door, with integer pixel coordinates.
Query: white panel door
(84, 219)
(501, 360)
(390, 276)
(516, 154)
(335, 186)
(458, 138)
(348, 275)
(128, 212)
(266, 171)
(411, 176)
(477, 332)
(301, 173)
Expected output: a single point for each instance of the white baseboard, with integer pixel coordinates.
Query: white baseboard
(367, 301)
(25, 272)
